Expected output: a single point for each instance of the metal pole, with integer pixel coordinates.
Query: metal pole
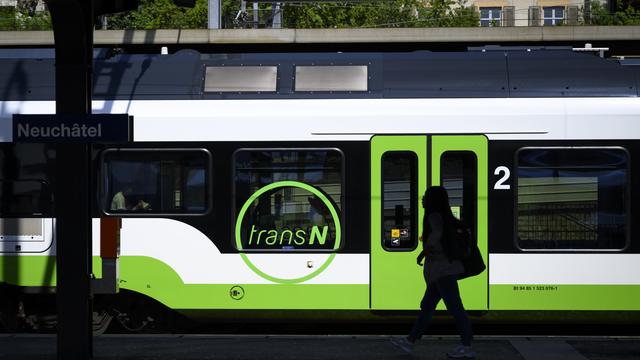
(215, 18)
(256, 18)
(277, 16)
(73, 33)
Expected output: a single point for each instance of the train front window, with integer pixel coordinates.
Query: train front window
(155, 181)
(572, 198)
(288, 199)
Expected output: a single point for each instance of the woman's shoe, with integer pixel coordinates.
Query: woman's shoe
(402, 344)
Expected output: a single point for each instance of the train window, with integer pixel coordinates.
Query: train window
(240, 78)
(288, 199)
(147, 182)
(331, 78)
(458, 174)
(572, 198)
(24, 198)
(399, 203)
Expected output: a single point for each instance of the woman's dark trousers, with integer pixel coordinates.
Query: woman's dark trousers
(445, 288)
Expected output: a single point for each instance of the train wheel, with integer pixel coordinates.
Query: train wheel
(101, 322)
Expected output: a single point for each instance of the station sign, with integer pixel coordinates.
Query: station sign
(94, 128)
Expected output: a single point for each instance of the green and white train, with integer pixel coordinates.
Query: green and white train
(292, 181)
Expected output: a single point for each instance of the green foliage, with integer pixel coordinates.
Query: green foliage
(392, 13)
(12, 19)
(387, 13)
(161, 14)
(448, 13)
(628, 13)
(230, 9)
(39, 21)
(7, 18)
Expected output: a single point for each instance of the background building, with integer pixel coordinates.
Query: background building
(532, 12)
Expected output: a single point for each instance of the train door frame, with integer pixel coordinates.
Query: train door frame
(396, 281)
(474, 290)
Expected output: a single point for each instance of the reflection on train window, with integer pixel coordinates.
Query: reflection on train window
(399, 201)
(572, 199)
(458, 174)
(300, 210)
(155, 181)
(23, 198)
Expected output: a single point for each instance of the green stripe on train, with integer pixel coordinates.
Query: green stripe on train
(564, 297)
(34, 270)
(159, 281)
(28, 270)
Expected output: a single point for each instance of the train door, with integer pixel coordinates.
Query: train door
(398, 176)
(401, 169)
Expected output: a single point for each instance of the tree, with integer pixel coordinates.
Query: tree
(14, 18)
(627, 14)
(27, 7)
(161, 14)
(391, 13)
(448, 13)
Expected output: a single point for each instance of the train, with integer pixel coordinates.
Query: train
(291, 182)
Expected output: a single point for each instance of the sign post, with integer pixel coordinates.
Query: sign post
(73, 25)
(72, 22)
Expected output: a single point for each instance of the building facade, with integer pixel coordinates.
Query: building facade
(531, 12)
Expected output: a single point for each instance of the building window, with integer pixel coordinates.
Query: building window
(147, 182)
(572, 198)
(288, 199)
(490, 16)
(399, 201)
(553, 15)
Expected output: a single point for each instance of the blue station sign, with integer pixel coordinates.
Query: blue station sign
(94, 128)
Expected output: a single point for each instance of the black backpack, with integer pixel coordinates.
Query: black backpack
(462, 245)
(459, 243)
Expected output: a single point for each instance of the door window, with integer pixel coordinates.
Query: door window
(458, 174)
(400, 212)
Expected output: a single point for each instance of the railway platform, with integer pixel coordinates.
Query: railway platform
(310, 347)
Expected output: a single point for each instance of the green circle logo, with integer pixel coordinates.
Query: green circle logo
(324, 200)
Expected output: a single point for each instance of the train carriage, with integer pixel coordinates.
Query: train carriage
(293, 181)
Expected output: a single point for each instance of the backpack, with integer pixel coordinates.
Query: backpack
(460, 241)
(462, 246)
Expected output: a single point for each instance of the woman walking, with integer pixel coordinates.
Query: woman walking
(440, 273)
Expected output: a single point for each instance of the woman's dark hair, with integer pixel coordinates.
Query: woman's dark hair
(436, 200)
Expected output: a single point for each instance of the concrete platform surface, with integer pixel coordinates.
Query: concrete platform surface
(307, 347)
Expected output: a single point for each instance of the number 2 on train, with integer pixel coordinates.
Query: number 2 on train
(500, 184)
